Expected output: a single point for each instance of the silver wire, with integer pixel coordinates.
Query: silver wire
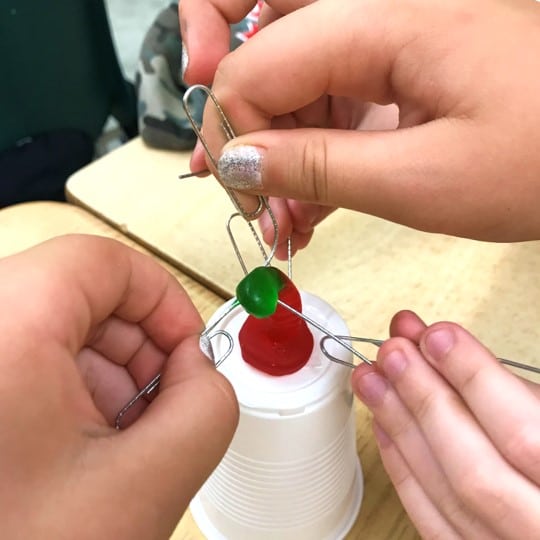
(289, 257)
(337, 339)
(229, 134)
(262, 201)
(379, 342)
(192, 174)
(147, 390)
(519, 365)
(154, 383)
(267, 258)
(229, 350)
(234, 305)
(341, 340)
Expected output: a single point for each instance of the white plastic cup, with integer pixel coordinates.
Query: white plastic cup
(291, 471)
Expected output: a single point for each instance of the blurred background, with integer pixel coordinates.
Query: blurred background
(130, 20)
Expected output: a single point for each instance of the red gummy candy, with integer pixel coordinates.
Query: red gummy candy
(280, 344)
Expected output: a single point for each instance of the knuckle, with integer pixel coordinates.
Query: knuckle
(314, 167)
(458, 514)
(224, 68)
(422, 408)
(431, 531)
(402, 479)
(478, 488)
(523, 447)
(470, 381)
(399, 430)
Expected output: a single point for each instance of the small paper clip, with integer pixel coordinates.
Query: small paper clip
(229, 136)
(262, 202)
(379, 342)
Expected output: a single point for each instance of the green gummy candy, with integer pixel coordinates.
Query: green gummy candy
(258, 291)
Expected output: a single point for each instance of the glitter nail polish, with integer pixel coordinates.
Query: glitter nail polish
(239, 167)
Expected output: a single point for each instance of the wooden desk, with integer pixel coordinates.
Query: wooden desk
(365, 267)
(25, 225)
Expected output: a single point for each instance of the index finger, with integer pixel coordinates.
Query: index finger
(306, 50)
(503, 404)
(75, 282)
(205, 33)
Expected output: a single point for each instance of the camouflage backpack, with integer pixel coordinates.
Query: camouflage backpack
(160, 88)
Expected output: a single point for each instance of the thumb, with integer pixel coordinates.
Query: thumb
(182, 436)
(388, 174)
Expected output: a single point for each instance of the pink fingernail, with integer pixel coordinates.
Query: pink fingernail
(371, 388)
(439, 343)
(198, 149)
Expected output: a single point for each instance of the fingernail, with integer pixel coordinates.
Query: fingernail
(439, 343)
(315, 217)
(240, 167)
(371, 388)
(185, 59)
(393, 364)
(198, 148)
(382, 437)
(206, 347)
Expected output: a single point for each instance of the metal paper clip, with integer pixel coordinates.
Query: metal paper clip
(262, 202)
(378, 342)
(229, 135)
(206, 346)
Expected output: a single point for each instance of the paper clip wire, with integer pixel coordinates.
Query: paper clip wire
(241, 211)
(206, 346)
(206, 337)
(229, 135)
(379, 342)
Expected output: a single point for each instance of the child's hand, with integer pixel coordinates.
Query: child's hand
(464, 75)
(206, 35)
(84, 323)
(458, 433)
(206, 30)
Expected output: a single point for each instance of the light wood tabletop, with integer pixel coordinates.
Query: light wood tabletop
(26, 225)
(366, 268)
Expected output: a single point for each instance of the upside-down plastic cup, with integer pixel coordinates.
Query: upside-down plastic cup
(291, 471)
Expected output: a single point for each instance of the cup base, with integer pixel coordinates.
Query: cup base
(211, 532)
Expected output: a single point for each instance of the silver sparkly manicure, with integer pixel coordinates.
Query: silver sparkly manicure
(239, 167)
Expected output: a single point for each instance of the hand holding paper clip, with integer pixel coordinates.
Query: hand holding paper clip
(85, 321)
(210, 41)
(465, 160)
(483, 480)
